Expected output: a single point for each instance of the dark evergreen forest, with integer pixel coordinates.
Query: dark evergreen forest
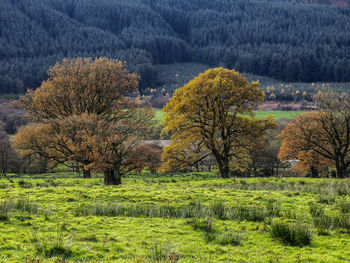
(281, 39)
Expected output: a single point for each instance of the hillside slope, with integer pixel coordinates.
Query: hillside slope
(280, 39)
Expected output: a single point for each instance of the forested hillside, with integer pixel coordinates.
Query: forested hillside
(281, 39)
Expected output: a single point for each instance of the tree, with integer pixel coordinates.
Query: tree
(321, 138)
(215, 110)
(83, 115)
(8, 158)
(81, 85)
(185, 153)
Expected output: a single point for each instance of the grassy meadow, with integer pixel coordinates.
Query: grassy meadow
(258, 114)
(174, 218)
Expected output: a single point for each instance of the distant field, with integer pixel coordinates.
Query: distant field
(186, 218)
(258, 114)
(278, 114)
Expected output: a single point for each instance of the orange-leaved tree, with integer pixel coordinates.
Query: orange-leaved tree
(321, 138)
(296, 148)
(73, 110)
(215, 110)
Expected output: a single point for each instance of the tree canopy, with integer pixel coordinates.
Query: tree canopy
(212, 116)
(82, 115)
(320, 138)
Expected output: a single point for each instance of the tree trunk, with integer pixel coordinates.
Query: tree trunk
(112, 177)
(224, 169)
(341, 169)
(87, 173)
(314, 172)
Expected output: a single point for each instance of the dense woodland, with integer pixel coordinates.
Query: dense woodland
(281, 39)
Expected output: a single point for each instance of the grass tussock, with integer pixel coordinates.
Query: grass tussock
(20, 205)
(332, 188)
(345, 206)
(52, 246)
(323, 222)
(293, 234)
(163, 252)
(193, 210)
(211, 234)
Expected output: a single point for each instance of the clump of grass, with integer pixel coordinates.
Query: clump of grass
(25, 205)
(192, 210)
(160, 252)
(4, 217)
(249, 213)
(327, 197)
(48, 183)
(295, 234)
(200, 224)
(4, 186)
(323, 222)
(218, 210)
(20, 205)
(212, 235)
(49, 246)
(229, 238)
(25, 184)
(90, 238)
(345, 206)
(343, 221)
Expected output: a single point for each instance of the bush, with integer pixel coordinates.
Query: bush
(295, 234)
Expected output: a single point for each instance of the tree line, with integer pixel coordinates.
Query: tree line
(280, 39)
(87, 116)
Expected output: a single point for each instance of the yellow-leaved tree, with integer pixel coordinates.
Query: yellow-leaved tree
(212, 116)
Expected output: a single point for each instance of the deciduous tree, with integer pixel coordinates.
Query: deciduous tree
(215, 110)
(83, 115)
(321, 138)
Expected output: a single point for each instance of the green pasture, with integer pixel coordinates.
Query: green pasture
(258, 114)
(63, 218)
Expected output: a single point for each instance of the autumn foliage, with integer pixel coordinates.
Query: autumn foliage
(212, 116)
(322, 138)
(82, 115)
(296, 146)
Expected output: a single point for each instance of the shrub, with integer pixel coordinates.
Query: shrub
(295, 234)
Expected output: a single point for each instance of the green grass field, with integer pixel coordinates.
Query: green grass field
(179, 218)
(258, 114)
